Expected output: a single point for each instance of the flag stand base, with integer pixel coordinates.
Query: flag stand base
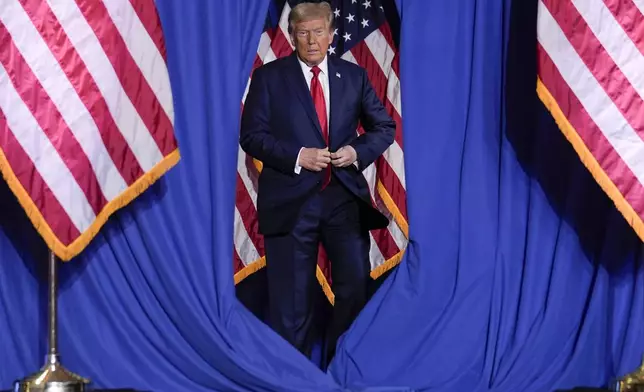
(52, 377)
(632, 382)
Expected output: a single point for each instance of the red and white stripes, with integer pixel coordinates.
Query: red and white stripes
(86, 111)
(590, 66)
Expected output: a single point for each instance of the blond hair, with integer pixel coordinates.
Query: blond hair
(308, 11)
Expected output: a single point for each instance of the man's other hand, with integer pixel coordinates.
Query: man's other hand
(345, 156)
(315, 159)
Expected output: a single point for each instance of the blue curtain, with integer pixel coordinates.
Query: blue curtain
(521, 275)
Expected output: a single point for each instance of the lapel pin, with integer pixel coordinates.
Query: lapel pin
(337, 74)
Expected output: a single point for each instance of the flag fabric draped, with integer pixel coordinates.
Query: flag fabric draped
(362, 35)
(591, 78)
(86, 111)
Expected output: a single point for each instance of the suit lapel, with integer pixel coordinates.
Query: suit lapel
(297, 84)
(335, 88)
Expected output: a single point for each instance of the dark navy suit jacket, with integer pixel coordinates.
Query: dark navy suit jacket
(279, 118)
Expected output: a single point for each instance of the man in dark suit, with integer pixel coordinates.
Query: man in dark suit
(300, 119)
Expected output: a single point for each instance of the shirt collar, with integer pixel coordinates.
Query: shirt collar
(307, 70)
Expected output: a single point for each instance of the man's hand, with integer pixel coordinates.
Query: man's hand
(315, 159)
(345, 156)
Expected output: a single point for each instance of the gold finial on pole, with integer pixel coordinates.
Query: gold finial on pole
(632, 382)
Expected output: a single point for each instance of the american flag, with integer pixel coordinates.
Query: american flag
(363, 34)
(591, 78)
(86, 113)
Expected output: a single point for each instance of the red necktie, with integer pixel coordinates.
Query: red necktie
(320, 108)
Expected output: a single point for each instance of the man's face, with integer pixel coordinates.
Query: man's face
(311, 40)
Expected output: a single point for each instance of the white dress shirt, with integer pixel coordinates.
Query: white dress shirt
(324, 81)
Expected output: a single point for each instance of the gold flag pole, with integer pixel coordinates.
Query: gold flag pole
(52, 377)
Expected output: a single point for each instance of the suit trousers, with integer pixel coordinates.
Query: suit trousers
(331, 216)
